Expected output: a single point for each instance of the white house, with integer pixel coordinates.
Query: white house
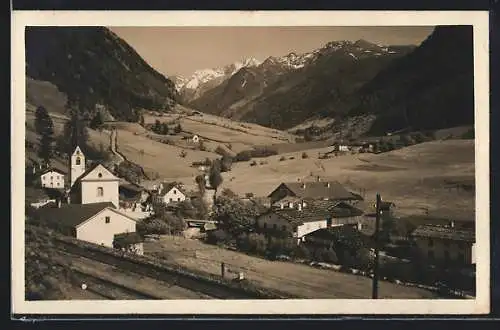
(298, 221)
(95, 223)
(52, 178)
(195, 138)
(96, 185)
(169, 193)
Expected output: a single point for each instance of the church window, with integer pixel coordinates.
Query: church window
(107, 219)
(100, 191)
(78, 161)
(99, 175)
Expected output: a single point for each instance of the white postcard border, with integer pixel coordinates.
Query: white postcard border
(480, 22)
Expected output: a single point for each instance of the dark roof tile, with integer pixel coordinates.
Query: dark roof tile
(71, 215)
(320, 190)
(444, 232)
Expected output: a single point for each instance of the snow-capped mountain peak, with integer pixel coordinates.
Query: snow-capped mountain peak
(203, 76)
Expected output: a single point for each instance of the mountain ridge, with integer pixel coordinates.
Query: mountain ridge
(277, 75)
(92, 65)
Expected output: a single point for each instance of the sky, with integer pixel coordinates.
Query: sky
(183, 50)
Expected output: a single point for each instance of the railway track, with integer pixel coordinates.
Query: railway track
(108, 289)
(167, 274)
(204, 287)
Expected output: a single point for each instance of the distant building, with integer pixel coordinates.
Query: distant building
(445, 245)
(96, 223)
(52, 178)
(195, 139)
(169, 193)
(318, 190)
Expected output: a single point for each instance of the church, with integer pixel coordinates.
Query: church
(91, 213)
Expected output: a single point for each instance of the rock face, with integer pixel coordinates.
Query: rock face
(92, 65)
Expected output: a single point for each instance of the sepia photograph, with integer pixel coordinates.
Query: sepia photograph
(251, 160)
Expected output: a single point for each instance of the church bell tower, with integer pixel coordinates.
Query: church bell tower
(77, 165)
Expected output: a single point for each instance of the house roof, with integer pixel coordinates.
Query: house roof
(317, 211)
(297, 218)
(318, 190)
(71, 215)
(52, 169)
(167, 186)
(78, 181)
(443, 232)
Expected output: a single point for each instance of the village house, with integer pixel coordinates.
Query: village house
(314, 190)
(135, 200)
(52, 178)
(301, 218)
(445, 245)
(195, 139)
(168, 193)
(96, 223)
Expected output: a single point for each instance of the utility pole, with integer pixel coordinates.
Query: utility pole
(376, 264)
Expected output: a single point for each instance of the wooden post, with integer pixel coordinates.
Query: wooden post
(222, 269)
(376, 265)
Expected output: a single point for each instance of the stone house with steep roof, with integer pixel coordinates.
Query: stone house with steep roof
(445, 245)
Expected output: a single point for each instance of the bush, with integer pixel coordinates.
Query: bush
(302, 252)
(260, 152)
(243, 156)
(330, 256)
(154, 226)
(218, 236)
(257, 243)
(305, 155)
(226, 163)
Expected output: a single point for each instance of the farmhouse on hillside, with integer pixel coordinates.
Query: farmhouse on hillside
(52, 178)
(445, 245)
(96, 223)
(318, 190)
(299, 218)
(195, 139)
(169, 193)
